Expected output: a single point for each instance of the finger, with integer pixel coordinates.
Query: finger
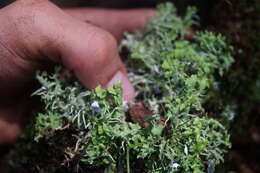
(89, 51)
(114, 21)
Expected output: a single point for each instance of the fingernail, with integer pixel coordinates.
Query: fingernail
(127, 88)
(117, 77)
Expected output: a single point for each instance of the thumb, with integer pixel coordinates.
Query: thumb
(92, 54)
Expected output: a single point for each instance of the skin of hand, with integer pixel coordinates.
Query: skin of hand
(33, 32)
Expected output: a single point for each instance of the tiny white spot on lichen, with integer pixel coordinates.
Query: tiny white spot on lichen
(125, 106)
(174, 165)
(95, 106)
(186, 150)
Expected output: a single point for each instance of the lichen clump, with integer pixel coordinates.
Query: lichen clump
(88, 130)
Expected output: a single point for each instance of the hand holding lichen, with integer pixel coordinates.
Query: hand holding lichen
(172, 77)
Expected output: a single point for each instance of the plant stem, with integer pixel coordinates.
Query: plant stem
(127, 160)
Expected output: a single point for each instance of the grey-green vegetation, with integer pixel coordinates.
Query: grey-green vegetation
(80, 130)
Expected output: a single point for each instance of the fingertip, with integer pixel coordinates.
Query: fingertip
(140, 18)
(151, 13)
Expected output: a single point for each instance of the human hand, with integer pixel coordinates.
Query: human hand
(33, 32)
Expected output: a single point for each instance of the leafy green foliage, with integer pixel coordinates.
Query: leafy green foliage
(172, 76)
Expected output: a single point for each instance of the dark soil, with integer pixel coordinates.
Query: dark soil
(139, 113)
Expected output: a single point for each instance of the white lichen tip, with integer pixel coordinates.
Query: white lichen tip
(174, 165)
(95, 106)
(125, 106)
(186, 150)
